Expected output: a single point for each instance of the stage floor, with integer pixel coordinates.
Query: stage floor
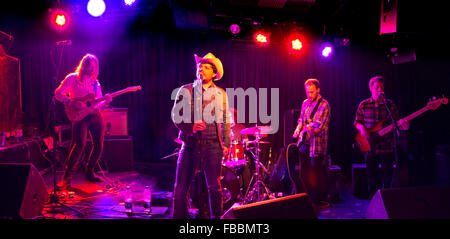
(86, 200)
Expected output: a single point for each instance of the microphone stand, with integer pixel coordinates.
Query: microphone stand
(396, 133)
(54, 199)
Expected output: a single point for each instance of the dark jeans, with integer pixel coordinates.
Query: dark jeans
(206, 154)
(379, 178)
(314, 174)
(94, 125)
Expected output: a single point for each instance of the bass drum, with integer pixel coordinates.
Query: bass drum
(199, 193)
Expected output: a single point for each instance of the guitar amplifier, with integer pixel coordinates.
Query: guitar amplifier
(116, 122)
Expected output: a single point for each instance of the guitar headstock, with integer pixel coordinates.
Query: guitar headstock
(435, 103)
(134, 88)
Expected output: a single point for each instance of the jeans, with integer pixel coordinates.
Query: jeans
(314, 174)
(206, 154)
(93, 124)
(379, 178)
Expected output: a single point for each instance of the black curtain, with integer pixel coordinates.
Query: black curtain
(164, 60)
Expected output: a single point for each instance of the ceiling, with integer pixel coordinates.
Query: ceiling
(354, 19)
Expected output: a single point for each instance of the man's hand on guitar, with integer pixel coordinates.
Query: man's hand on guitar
(108, 99)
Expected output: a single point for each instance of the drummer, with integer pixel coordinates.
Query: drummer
(236, 136)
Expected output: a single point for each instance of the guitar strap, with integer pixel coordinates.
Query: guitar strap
(315, 109)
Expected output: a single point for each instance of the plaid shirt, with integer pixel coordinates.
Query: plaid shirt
(317, 142)
(369, 113)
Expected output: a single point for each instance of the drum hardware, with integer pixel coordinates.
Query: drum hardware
(257, 189)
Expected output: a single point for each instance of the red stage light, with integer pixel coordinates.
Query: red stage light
(59, 19)
(261, 38)
(295, 42)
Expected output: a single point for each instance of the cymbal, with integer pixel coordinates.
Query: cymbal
(255, 142)
(257, 130)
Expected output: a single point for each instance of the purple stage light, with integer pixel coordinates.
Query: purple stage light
(327, 51)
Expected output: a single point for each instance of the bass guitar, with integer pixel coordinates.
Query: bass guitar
(377, 131)
(90, 104)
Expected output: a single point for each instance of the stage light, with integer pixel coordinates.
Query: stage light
(59, 19)
(129, 2)
(326, 50)
(235, 29)
(262, 38)
(295, 42)
(96, 7)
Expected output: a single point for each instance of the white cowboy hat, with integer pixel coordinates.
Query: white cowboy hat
(210, 58)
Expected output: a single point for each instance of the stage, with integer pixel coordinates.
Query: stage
(105, 200)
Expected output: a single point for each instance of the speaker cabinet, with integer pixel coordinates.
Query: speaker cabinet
(298, 206)
(116, 122)
(430, 202)
(359, 181)
(118, 154)
(22, 191)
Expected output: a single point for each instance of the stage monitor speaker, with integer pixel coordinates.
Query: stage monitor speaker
(22, 191)
(298, 206)
(431, 202)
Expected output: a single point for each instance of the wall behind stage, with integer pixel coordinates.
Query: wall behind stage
(163, 61)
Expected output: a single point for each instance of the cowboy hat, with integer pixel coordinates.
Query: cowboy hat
(211, 59)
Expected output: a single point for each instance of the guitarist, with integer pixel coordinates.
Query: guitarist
(312, 128)
(83, 83)
(371, 112)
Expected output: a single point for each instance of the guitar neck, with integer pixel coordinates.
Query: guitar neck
(388, 128)
(114, 94)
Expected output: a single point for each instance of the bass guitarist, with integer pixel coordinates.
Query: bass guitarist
(312, 131)
(371, 113)
(73, 92)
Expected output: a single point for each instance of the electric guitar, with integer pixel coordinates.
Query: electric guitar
(90, 104)
(302, 134)
(364, 144)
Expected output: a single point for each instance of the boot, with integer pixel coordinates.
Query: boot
(92, 177)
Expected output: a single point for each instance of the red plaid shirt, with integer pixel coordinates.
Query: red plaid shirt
(369, 113)
(317, 142)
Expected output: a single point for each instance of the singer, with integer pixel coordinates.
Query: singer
(205, 141)
(370, 112)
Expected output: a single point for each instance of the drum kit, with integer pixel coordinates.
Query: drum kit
(244, 158)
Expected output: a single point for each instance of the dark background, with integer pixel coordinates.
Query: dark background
(153, 45)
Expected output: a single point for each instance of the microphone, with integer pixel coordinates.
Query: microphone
(64, 43)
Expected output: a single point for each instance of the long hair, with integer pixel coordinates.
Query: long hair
(84, 62)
